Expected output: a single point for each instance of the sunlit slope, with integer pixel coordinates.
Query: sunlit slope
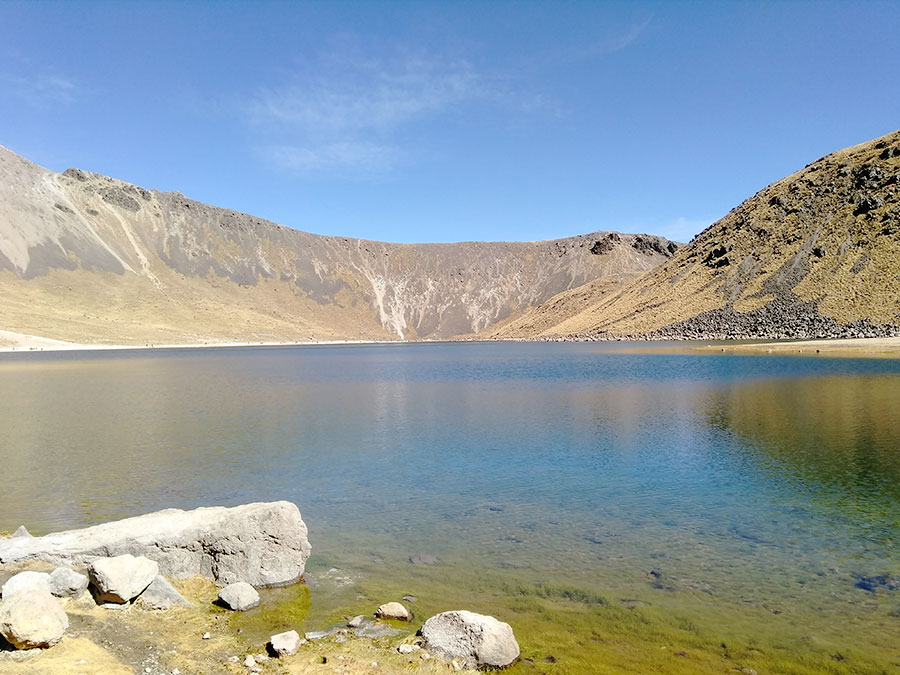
(815, 254)
(88, 258)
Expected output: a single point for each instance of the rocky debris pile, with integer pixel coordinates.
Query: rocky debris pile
(263, 544)
(472, 640)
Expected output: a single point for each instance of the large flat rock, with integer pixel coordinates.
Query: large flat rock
(264, 544)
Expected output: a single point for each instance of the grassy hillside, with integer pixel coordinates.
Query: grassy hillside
(816, 254)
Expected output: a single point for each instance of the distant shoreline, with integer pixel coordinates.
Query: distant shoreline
(848, 347)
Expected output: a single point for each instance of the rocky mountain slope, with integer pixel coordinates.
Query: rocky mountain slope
(816, 254)
(88, 258)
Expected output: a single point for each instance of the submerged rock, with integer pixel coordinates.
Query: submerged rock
(473, 640)
(239, 596)
(122, 578)
(885, 582)
(264, 544)
(32, 618)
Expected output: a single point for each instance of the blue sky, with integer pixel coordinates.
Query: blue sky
(451, 121)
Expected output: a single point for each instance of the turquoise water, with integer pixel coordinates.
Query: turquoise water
(761, 485)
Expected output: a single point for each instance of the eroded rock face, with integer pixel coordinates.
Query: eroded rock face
(122, 578)
(32, 618)
(264, 544)
(474, 639)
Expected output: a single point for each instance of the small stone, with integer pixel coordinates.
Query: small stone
(206, 636)
(374, 664)
(424, 656)
(239, 596)
(249, 661)
(232, 659)
(409, 598)
(423, 559)
(160, 594)
(285, 644)
(20, 532)
(393, 610)
(121, 578)
(32, 619)
(356, 621)
(406, 649)
(67, 583)
(25, 581)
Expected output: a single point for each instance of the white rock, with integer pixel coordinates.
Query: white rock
(25, 581)
(473, 640)
(285, 644)
(122, 578)
(393, 610)
(160, 594)
(32, 618)
(20, 532)
(264, 544)
(356, 621)
(206, 636)
(67, 583)
(249, 661)
(239, 596)
(405, 649)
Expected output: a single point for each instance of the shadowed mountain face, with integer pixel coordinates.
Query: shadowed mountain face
(816, 254)
(88, 258)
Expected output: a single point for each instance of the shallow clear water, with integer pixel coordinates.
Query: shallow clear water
(696, 483)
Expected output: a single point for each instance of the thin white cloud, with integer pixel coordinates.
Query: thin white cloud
(40, 91)
(365, 157)
(346, 111)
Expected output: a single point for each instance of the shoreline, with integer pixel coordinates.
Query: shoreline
(835, 347)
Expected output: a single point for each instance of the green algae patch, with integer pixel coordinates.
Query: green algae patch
(279, 610)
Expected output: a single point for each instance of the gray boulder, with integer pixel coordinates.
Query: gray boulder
(122, 578)
(25, 581)
(32, 618)
(67, 583)
(239, 596)
(285, 644)
(264, 544)
(160, 594)
(475, 640)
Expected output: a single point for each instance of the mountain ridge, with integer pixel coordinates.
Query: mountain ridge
(89, 258)
(815, 254)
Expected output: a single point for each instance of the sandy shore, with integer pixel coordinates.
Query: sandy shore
(855, 347)
(21, 342)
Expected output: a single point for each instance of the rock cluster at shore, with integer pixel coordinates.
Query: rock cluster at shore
(33, 615)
